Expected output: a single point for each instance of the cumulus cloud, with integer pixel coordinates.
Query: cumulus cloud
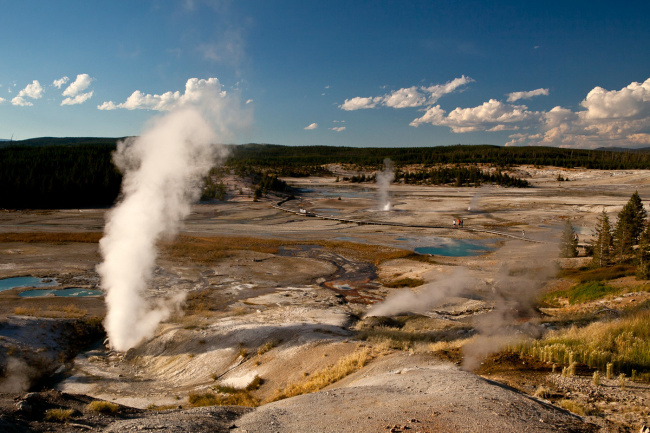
(407, 97)
(78, 99)
(311, 126)
(338, 128)
(515, 96)
(32, 91)
(490, 116)
(610, 118)
(60, 82)
(81, 83)
(196, 90)
(2, 100)
(75, 91)
(359, 103)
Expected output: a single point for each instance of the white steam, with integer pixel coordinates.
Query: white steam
(524, 271)
(428, 295)
(162, 171)
(384, 178)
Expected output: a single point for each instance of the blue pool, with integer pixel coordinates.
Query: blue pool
(12, 283)
(67, 293)
(456, 248)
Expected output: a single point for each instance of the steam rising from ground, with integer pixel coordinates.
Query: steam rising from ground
(162, 172)
(17, 376)
(384, 178)
(512, 290)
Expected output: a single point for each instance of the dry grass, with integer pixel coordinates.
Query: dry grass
(266, 347)
(58, 415)
(104, 407)
(234, 398)
(542, 392)
(69, 311)
(622, 345)
(55, 238)
(407, 332)
(327, 376)
(404, 282)
(212, 249)
(575, 407)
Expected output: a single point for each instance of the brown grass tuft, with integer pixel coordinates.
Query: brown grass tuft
(58, 415)
(105, 407)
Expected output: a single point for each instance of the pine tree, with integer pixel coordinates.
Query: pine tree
(630, 225)
(569, 241)
(602, 245)
(643, 255)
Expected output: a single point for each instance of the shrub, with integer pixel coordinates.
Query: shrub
(58, 415)
(105, 407)
(575, 407)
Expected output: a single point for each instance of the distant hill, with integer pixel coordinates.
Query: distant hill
(60, 141)
(624, 149)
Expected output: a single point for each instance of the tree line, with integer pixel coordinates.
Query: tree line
(270, 155)
(78, 172)
(66, 176)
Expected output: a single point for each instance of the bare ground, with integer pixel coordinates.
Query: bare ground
(301, 305)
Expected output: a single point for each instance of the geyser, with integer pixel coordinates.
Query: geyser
(162, 171)
(384, 178)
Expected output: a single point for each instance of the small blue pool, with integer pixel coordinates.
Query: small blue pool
(456, 248)
(66, 293)
(12, 283)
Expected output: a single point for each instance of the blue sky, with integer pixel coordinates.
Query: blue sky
(344, 73)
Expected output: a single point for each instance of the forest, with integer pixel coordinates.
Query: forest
(78, 172)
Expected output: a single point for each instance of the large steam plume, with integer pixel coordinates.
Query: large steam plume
(162, 171)
(384, 178)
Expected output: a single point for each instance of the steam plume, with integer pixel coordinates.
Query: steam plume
(384, 178)
(430, 295)
(162, 169)
(512, 291)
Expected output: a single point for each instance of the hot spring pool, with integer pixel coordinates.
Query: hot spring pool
(456, 248)
(66, 293)
(12, 283)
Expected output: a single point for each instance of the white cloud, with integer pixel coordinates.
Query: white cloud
(515, 96)
(359, 103)
(197, 91)
(78, 99)
(81, 83)
(60, 82)
(311, 126)
(338, 128)
(2, 100)
(490, 116)
(407, 97)
(631, 102)
(610, 118)
(33, 91)
(250, 101)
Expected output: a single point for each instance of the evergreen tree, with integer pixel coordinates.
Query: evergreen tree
(643, 255)
(630, 224)
(569, 241)
(602, 245)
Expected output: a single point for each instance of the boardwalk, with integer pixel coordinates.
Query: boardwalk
(280, 206)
